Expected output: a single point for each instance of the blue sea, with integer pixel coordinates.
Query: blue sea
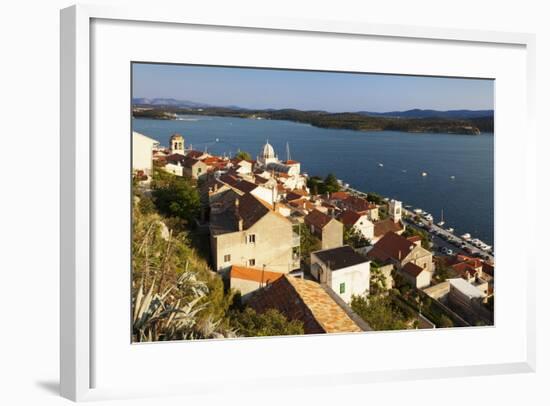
(354, 156)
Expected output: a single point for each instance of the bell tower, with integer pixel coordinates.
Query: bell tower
(395, 210)
(177, 144)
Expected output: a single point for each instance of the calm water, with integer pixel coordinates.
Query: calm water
(353, 156)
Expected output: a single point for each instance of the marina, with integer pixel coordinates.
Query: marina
(445, 238)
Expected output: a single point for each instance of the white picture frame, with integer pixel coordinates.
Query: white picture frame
(77, 188)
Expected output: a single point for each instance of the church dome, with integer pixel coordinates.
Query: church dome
(268, 151)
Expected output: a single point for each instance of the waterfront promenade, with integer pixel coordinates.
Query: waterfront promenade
(440, 235)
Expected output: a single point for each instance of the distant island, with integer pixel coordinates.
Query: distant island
(470, 122)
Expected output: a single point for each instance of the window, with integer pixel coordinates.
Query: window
(252, 238)
(251, 262)
(342, 288)
(227, 258)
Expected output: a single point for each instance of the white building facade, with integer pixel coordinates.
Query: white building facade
(343, 270)
(142, 153)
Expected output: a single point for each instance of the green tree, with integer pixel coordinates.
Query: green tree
(176, 197)
(249, 323)
(175, 295)
(378, 312)
(412, 232)
(375, 198)
(316, 185)
(308, 243)
(445, 321)
(243, 155)
(354, 238)
(378, 284)
(331, 184)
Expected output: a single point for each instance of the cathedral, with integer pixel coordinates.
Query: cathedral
(287, 172)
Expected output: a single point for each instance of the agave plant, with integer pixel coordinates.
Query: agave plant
(155, 318)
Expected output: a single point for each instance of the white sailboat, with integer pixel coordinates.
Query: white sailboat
(442, 222)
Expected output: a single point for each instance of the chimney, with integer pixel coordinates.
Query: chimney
(238, 216)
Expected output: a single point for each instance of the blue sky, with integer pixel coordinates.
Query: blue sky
(330, 91)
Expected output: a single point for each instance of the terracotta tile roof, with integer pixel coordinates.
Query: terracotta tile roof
(306, 301)
(383, 227)
(189, 162)
(255, 275)
(391, 246)
(302, 204)
(350, 217)
(317, 219)
(238, 183)
(339, 195)
(194, 154)
(340, 257)
(358, 204)
(414, 238)
(174, 158)
(295, 194)
(211, 160)
(291, 162)
(412, 269)
(463, 268)
(246, 208)
(260, 180)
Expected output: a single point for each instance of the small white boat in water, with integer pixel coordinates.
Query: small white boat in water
(424, 173)
(466, 236)
(417, 211)
(380, 164)
(452, 177)
(451, 230)
(442, 222)
(429, 217)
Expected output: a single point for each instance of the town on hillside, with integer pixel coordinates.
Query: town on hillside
(236, 246)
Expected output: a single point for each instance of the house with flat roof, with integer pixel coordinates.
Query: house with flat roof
(467, 300)
(247, 280)
(310, 303)
(343, 270)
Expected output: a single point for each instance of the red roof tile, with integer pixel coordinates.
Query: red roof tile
(350, 217)
(306, 301)
(383, 227)
(412, 269)
(317, 219)
(391, 246)
(255, 275)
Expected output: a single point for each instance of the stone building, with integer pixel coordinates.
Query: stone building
(247, 232)
(329, 230)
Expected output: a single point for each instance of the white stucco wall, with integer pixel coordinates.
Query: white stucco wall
(356, 279)
(174, 169)
(267, 195)
(142, 152)
(365, 227)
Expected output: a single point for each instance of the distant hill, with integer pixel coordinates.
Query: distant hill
(142, 101)
(419, 113)
(169, 102)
